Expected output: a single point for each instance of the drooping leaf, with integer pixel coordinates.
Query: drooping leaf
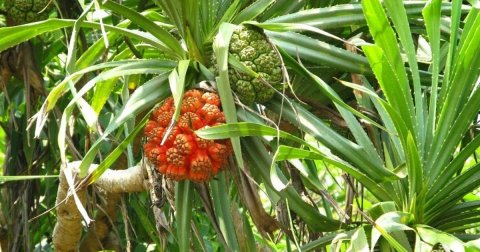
(260, 159)
(144, 97)
(117, 152)
(220, 47)
(388, 223)
(252, 11)
(149, 26)
(434, 236)
(25, 177)
(359, 241)
(340, 146)
(287, 152)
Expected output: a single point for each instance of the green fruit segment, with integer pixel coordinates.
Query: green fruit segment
(252, 48)
(27, 11)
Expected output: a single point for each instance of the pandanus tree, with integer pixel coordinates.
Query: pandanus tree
(241, 117)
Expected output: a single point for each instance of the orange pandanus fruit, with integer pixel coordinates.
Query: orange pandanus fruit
(184, 155)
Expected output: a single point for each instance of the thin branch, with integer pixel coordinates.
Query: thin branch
(157, 198)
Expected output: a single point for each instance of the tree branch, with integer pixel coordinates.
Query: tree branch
(68, 228)
(133, 179)
(157, 197)
(100, 235)
(67, 231)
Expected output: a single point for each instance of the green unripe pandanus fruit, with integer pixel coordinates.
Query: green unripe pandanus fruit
(252, 48)
(27, 11)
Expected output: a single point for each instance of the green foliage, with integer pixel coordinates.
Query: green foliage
(2, 148)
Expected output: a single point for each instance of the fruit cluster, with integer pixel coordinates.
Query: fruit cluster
(252, 48)
(27, 11)
(183, 155)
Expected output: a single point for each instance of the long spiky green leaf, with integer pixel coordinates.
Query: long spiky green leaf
(399, 18)
(431, 14)
(386, 57)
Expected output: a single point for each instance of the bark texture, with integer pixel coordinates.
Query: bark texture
(99, 235)
(67, 231)
(19, 61)
(133, 179)
(158, 199)
(3, 230)
(68, 228)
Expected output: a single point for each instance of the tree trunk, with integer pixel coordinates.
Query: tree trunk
(67, 231)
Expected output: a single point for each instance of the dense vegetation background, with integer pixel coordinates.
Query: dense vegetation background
(369, 143)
